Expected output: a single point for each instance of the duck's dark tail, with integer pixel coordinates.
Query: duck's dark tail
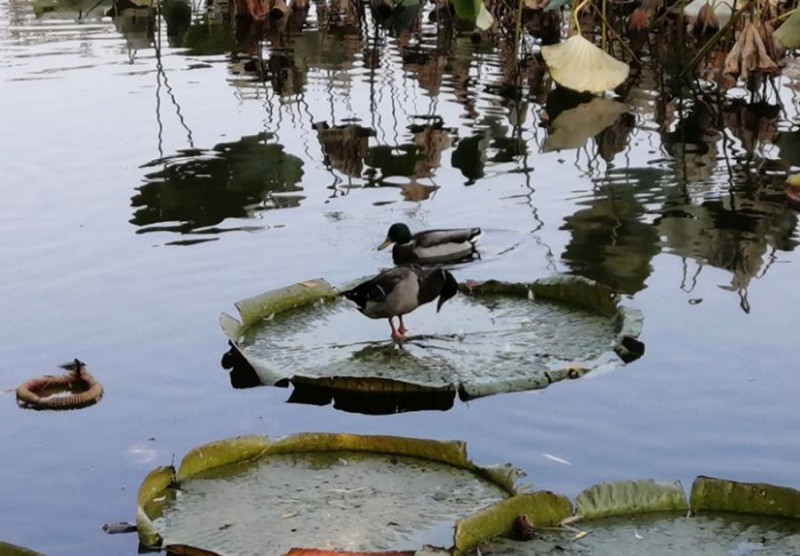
(449, 289)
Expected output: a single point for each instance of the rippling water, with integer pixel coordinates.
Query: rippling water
(142, 195)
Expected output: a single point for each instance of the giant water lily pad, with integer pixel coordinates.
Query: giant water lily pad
(649, 517)
(250, 495)
(495, 337)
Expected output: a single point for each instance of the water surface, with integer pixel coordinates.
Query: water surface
(144, 194)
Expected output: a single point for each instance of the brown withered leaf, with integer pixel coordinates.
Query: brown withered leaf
(638, 20)
(749, 54)
(707, 22)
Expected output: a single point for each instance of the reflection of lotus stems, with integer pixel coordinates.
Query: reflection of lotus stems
(279, 9)
(298, 4)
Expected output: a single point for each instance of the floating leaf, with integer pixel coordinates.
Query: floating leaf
(7, 549)
(581, 66)
(710, 494)
(370, 492)
(631, 497)
(553, 329)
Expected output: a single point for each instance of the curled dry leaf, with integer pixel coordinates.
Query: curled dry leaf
(639, 20)
(707, 21)
(581, 66)
(749, 54)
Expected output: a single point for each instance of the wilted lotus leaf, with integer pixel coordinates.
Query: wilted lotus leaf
(250, 495)
(571, 128)
(750, 54)
(581, 66)
(496, 337)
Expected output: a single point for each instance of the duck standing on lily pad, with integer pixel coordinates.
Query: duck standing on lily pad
(431, 246)
(400, 290)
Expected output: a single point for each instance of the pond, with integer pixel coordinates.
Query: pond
(145, 190)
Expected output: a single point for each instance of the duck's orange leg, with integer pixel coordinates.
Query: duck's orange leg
(402, 330)
(397, 334)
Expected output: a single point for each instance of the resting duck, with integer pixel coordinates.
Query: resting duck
(431, 246)
(400, 290)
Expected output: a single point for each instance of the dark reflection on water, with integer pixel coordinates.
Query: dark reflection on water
(195, 189)
(609, 242)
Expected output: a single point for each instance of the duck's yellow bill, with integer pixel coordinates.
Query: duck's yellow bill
(386, 243)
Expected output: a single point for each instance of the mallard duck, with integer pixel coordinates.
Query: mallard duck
(431, 246)
(400, 290)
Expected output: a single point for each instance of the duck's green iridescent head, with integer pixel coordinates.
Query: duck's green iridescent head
(398, 233)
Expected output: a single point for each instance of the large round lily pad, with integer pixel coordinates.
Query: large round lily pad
(495, 337)
(249, 495)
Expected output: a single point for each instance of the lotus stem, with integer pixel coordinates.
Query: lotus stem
(575, 13)
(603, 26)
(617, 36)
(518, 28)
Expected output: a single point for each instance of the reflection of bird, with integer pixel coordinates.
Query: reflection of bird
(432, 246)
(400, 290)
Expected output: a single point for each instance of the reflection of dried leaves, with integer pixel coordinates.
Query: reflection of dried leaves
(571, 128)
(431, 142)
(614, 139)
(345, 146)
(749, 54)
(753, 123)
(418, 192)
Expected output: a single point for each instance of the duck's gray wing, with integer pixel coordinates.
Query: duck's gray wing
(432, 238)
(386, 282)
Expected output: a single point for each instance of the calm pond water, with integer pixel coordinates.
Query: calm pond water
(143, 195)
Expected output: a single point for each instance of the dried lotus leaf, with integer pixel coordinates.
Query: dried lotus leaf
(581, 66)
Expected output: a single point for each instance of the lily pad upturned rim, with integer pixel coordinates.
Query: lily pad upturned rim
(542, 508)
(8, 549)
(249, 448)
(570, 290)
